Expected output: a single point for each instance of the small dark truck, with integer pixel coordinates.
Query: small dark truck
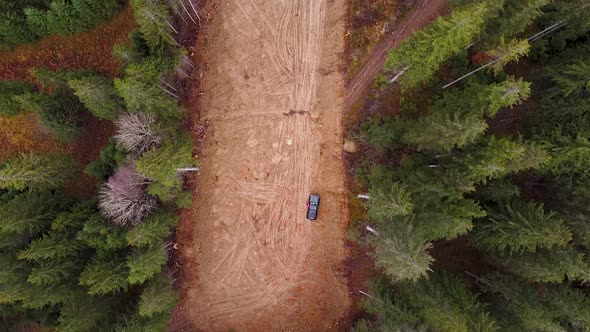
(312, 206)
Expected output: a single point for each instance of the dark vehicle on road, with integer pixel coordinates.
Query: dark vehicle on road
(312, 206)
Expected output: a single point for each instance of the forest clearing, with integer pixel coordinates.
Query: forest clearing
(272, 107)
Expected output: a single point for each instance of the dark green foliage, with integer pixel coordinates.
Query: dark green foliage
(495, 158)
(520, 227)
(53, 271)
(154, 19)
(426, 50)
(60, 114)
(152, 230)
(541, 307)
(141, 92)
(68, 17)
(112, 156)
(29, 213)
(549, 265)
(105, 275)
(14, 29)
(35, 173)
(400, 251)
(440, 303)
(382, 132)
(9, 105)
(82, 314)
(157, 297)
(162, 165)
(144, 263)
(50, 246)
(101, 234)
(98, 95)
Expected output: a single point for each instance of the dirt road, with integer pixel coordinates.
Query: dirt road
(272, 95)
(423, 12)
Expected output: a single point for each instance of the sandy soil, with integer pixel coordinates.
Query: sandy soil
(272, 98)
(423, 12)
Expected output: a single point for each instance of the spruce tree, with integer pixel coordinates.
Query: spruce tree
(157, 297)
(49, 246)
(401, 252)
(154, 23)
(9, 105)
(53, 271)
(144, 263)
(424, 52)
(29, 213)
(100, 234)
(105, 274)
(152, 230)
(390, 202)
(549, 265)
(444, 131)
(35, 172)
(162, 165)
(519, 227)
(98, 95)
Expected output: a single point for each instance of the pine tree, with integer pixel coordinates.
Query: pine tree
(157, 297)
(549, 265)
(9, 106)
(495, 158)
(152, 230)
(105, 275)
(424, 52)
(390, 309)
(49, 246)
(569, 154)
(100, 234)
(446, 219)
(14, 29)
(541, 308)
(144, 263)
(162, 166)
(445, 304)
(83, 313)
(520, 227)
(456, 118)
(385, 204)
(98, 95)
(442, 132)
(35, 172)
(154, 23)
(29, 213)
(141, 92)
(53, 271)
(572, 79)
(401, 252)
(507, 52)
(383, 132)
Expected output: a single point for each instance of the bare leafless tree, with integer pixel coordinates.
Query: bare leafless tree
(124, 199)
(136, 132)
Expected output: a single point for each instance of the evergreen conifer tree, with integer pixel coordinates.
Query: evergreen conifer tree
(98, 95)
(520, 227)
(35, 172)
(146, 262)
